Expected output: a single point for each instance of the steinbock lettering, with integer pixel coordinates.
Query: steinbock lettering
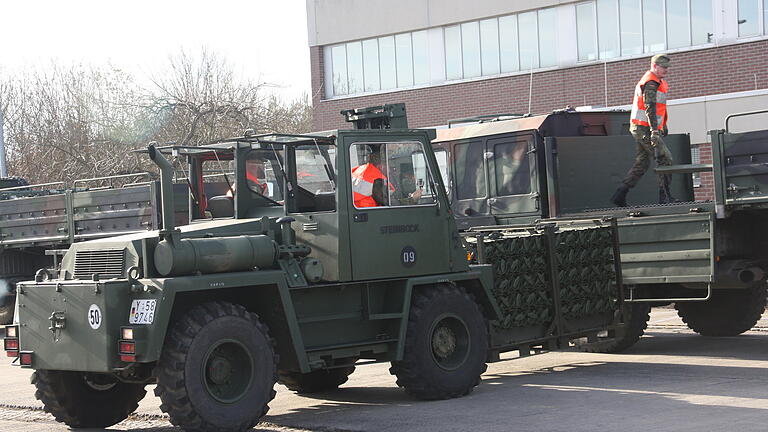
(397, 229)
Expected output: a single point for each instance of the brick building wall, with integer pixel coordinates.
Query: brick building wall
(703, 72)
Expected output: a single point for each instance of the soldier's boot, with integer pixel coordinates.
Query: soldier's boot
(619, 197)
(665, 196)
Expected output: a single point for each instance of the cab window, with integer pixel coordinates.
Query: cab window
(470, 171)
(315, 178)
(513, 176)
(260, 173)
(390, 174)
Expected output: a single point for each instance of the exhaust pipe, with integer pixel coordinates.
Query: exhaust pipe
(751, 274)
(166, 187)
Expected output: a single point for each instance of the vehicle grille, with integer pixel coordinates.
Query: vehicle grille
(108, 263)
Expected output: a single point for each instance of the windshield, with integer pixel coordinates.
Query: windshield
(315, 178)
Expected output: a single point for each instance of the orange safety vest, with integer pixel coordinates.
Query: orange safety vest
(363, 177)
(639, 117)
(253, 179)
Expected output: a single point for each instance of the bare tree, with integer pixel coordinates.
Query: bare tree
(67, 123)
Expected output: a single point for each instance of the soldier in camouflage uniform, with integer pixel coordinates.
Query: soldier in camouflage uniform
(648, 125)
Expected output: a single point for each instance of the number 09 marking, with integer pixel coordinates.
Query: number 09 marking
(408, 256)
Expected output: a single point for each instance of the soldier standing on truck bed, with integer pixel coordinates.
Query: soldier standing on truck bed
(648, 125)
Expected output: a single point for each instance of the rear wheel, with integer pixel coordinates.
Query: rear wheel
(445, 346)
(217, 369)
(85, 400)
(315, 381)
(727, 313)
(639, 314)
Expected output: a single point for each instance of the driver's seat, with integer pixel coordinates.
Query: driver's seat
(221, 206)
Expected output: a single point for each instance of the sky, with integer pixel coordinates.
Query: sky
(265, 40)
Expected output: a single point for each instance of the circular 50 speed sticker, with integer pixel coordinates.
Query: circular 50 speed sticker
(95, 317)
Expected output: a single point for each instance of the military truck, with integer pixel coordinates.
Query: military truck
(38, 222)
(707, 257)
(282, 278)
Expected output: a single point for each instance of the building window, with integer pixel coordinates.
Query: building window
(701, 22)
(355, 67)
(508, 44)
(489, 46)
(547, 37)
(420, 57)
(631, 27)
(678, 24)
(470, 49)
(528, 36)
(452, 36)
(653, 25)
(404, 59)
(371, 65)
(749, 11)
(696, 159)
(339, 55)
(605, 29)
(608, 28)
(387, 62)
(585, 31)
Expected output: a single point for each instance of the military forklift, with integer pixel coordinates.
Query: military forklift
(280, 277)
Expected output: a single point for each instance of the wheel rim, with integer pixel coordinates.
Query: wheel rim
(227, 371)
(449, 341)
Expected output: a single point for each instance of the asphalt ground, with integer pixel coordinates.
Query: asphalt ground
(672, 380)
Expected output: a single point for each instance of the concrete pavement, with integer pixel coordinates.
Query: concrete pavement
(672, 379)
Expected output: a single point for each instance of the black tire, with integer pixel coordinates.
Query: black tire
(446, 345)
(83, 400)
(639, 315)
(726, 313)
(230, 349)
(315, 381)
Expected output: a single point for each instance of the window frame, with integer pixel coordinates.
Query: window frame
(351, 196)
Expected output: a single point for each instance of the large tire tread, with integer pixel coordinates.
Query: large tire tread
(170, 369)
(65, 399)
(409, 370)
(726, 313)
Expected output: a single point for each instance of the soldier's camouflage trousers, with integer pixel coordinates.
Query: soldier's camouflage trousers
(645, 152)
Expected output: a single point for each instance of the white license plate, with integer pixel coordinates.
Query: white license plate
(142, 312)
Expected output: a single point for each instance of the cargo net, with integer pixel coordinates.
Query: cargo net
(523, 270)
(586, 272)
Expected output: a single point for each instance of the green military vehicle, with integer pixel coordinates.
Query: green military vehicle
(707, 257)
(282, 278)
(38, 222)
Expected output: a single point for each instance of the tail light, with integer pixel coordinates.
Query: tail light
(126, 345)
(25, 358)
(11, 341)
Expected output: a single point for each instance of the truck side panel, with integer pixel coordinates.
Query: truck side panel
(667, 249)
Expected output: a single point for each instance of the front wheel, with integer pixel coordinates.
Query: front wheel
(445, 347)
(217, 370)
(85, 400)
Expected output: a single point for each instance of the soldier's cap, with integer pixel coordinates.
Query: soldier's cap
(660, 59)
